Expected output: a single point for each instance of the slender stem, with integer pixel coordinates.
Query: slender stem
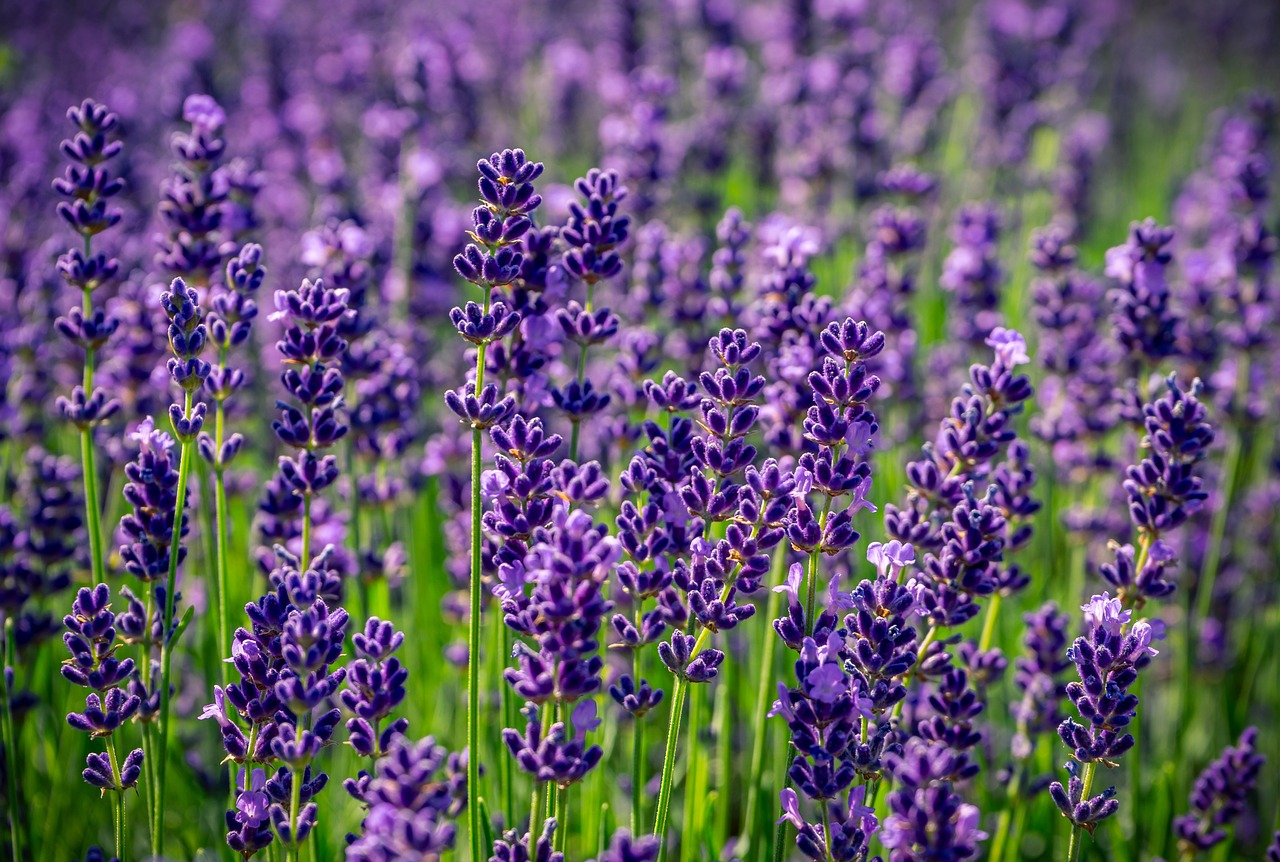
(1077, 833)
(148, 727)
(562, 817)
(88, 461)
(764, 691)
(668, 767)
(117, 801)
(694, 797)
(780, 840)
(305, 551)
(1001, 838)
(535, 811)
(90, 469)
(637, 775)
(1213, 556)
(989, 623)
(509, 718)
(575, 427)
(166, 647)
(582, 376)
(637, 741)
(473, 654)
(10, 742)
(826, 830)
(222, 531)
(473, 624)
(295, 800)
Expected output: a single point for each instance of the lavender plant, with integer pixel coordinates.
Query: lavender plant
(620, 502)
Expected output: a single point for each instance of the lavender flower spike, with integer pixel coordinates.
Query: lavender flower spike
(1219, 796)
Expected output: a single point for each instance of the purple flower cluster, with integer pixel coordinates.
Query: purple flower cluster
(418, 790)
(927, 818)
(283, 661)
(1163, 491)
(91, 640)
(1220, 795)
(88, 187)
(231, 315)
(193, 200)
(1108, 658)
(312, 349)
(1076, 398)
(972, 273)
(561, 616)
(1037, 676)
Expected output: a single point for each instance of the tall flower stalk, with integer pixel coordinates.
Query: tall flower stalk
(491, 262)
(719, 568)
(91, 640)
(88, 187)
(192, 250)
(187, 339)
(593, 234)
(233, 312)
(1163, 491)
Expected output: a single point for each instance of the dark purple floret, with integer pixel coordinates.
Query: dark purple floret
(1144, 324)
(152, 492)
(1082, 812)
(513, 847)
(1038, 676)
(927, 819)
(624, 847)
(194, 199)
(375, 686)
(1220, 795)
(413, 798)
(88, 184)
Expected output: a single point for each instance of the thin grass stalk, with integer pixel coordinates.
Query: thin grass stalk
(637, 742)
(118, 802)
(473, 624)
(764, 692)
(694, 798)
(10, 742)
(668, 766)
(166, 646)
(295, 801)
(88, 460)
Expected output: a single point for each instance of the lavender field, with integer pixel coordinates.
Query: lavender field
(640, 430)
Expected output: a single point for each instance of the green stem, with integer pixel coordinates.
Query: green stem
(1001, 839)
(573, 438)
(166, 647)
(562, 818)
(535, 813)
(473, 624)
(222, 529)
(295, 801)
(989, 624)
(10, 741)
(1077, 833)
(764, 693)
(509, 716)
(118, 801)
(304, 555)
(1209, 572)
(88, 461)
(90, 469)
(637, 775)
(668, 766)
(694, 797)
